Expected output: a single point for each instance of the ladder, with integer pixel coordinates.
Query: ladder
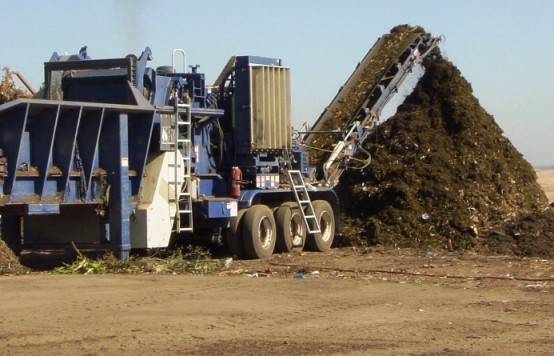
(303, 199)
(182, 147)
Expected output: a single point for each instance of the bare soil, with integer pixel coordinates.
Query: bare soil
(349, 301)
(345, 301)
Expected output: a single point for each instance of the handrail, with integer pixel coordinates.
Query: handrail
(175, 51)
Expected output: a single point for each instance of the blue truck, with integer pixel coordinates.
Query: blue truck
(114, 155)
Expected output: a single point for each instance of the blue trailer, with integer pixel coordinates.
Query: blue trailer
(112, 154)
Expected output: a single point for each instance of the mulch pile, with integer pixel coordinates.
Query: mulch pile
(443, 175)
(9, 263)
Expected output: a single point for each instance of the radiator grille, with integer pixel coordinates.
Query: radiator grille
(270, 108)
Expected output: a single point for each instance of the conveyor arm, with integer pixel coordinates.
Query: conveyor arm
(358, 104)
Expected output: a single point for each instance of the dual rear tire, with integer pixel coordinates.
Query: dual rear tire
(257, 231)
(291, 231)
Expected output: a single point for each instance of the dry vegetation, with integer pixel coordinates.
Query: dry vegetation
(8, 90)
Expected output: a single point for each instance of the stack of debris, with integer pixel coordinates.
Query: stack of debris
(443, 175)
(9, 263)
(8, 90)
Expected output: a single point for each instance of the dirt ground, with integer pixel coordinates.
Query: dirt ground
(345, 301)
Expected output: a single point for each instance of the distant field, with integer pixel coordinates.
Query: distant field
(546, 180)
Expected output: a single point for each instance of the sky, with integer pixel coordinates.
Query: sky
(501, 47)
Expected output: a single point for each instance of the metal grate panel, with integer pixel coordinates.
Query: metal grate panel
(270, 108)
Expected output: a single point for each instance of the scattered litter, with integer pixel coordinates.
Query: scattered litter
(299, 276)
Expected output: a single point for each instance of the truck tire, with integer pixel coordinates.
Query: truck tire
(259, 232)
(233, 237)
(291, 232)
(322, 241)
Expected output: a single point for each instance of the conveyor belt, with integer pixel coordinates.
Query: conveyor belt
(345, 123)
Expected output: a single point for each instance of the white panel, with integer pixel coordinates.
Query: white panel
(152, 224)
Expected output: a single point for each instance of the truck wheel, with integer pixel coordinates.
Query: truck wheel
(233, 237)
(291, 232)
(259, 232)
(322, 241)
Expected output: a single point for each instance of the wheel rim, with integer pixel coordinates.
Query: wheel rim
(296, 229)
(325, 226)
(265, 233)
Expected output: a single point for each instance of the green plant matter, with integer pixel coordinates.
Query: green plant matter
(105, 264)
(193, 259)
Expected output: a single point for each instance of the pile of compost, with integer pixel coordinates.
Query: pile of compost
(9, 263)
(444, 176)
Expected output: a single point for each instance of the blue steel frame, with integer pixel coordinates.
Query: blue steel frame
(60, 153)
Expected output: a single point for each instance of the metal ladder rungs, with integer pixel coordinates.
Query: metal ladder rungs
(182, 146)
(178, 165)
(304, 201)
